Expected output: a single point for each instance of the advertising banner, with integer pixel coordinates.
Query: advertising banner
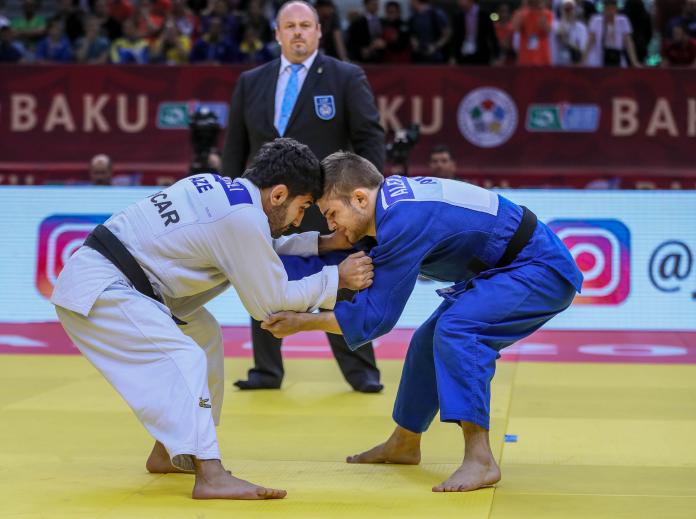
(494, 119)
(636, 250)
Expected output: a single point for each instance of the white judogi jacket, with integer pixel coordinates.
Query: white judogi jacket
(194, 240)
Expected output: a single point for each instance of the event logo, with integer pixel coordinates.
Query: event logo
(60, 235)
(176, 115)
(487, 117)
(562, 117)
(671, 264)
(601, 249)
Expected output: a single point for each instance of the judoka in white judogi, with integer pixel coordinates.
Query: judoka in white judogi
(193, 240)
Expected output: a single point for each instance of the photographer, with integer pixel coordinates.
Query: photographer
(205, 128)
(399, 149)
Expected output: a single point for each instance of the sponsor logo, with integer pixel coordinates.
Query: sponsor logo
(60, 235)
(487, 117)
(601, 249)
(562, 117)
(176, 115)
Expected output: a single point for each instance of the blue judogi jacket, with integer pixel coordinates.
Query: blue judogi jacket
(437, 228)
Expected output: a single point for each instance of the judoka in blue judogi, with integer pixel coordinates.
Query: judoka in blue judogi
(510, 275)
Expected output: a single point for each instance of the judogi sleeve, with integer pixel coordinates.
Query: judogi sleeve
(304, 244)
(402, 244)
(242, 247)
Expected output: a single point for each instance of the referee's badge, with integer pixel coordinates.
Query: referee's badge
(324, 107)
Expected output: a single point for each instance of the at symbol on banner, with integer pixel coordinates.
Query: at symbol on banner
(670, 264)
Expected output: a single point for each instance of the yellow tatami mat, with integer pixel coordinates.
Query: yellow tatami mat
(593, 441)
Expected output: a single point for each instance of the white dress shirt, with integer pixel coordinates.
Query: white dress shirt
(284, 76)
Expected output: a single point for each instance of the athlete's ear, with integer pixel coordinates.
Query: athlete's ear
(361, 198)
(279, 194)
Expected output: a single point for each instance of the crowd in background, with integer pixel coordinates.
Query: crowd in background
(536, 32)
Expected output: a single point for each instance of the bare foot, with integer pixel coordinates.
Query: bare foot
(402, 447)
(214, 482)
(471, 475)
(159, 462)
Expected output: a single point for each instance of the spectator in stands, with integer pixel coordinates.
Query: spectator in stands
(131, 48)
(474, 41)
(533, 23)
(610, 39)
(172, 47)
(504, 33)
(197, 6)
(365, 42)
(56, 46)
(149, 21)
(256, 19)
(680, 51)
(185, 20)
(642, 25)
(92, 47)
(214, 47)
(100, 170)
(430, 32)
(686, 20)
(30, 27)
(110, 26)
(395, 34)
(331, 42)
(121, 10)
(252, 49)
(231, 23)
(73, 19)
(442, 162)
(569, 37)
(11, 50)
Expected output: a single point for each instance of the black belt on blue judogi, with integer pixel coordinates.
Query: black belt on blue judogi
(102, 240)
(519, 240)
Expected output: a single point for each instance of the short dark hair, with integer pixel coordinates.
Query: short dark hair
(286, 161)
(345, 171)
(441, 148)
(393, 3)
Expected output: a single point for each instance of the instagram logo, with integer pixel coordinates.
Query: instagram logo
(601, 250)
(59, 236)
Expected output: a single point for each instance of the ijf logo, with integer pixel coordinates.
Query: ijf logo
(324, 107)
(60, 235)
(487, 117)
(601, 249)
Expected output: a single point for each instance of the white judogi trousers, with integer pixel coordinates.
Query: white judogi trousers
(172, 377)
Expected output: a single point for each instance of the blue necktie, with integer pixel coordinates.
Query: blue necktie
(292, 90)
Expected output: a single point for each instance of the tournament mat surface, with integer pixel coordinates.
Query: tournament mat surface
(585, 440)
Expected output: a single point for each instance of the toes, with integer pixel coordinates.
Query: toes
(270, 493)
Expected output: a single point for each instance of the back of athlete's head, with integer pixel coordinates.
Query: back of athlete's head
(286, 161)
(344, 172)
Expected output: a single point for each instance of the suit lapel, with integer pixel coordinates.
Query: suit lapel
(270, 84)
(307, 90)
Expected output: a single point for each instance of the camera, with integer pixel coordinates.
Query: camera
(205, 127)
(399, 149)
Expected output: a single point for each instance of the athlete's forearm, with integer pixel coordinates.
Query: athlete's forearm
(322, 321)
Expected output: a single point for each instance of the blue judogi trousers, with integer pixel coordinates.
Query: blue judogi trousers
(451, 358)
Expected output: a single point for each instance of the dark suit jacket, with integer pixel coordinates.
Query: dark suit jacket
(354, 126)
(487, 47)
(358, 38)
